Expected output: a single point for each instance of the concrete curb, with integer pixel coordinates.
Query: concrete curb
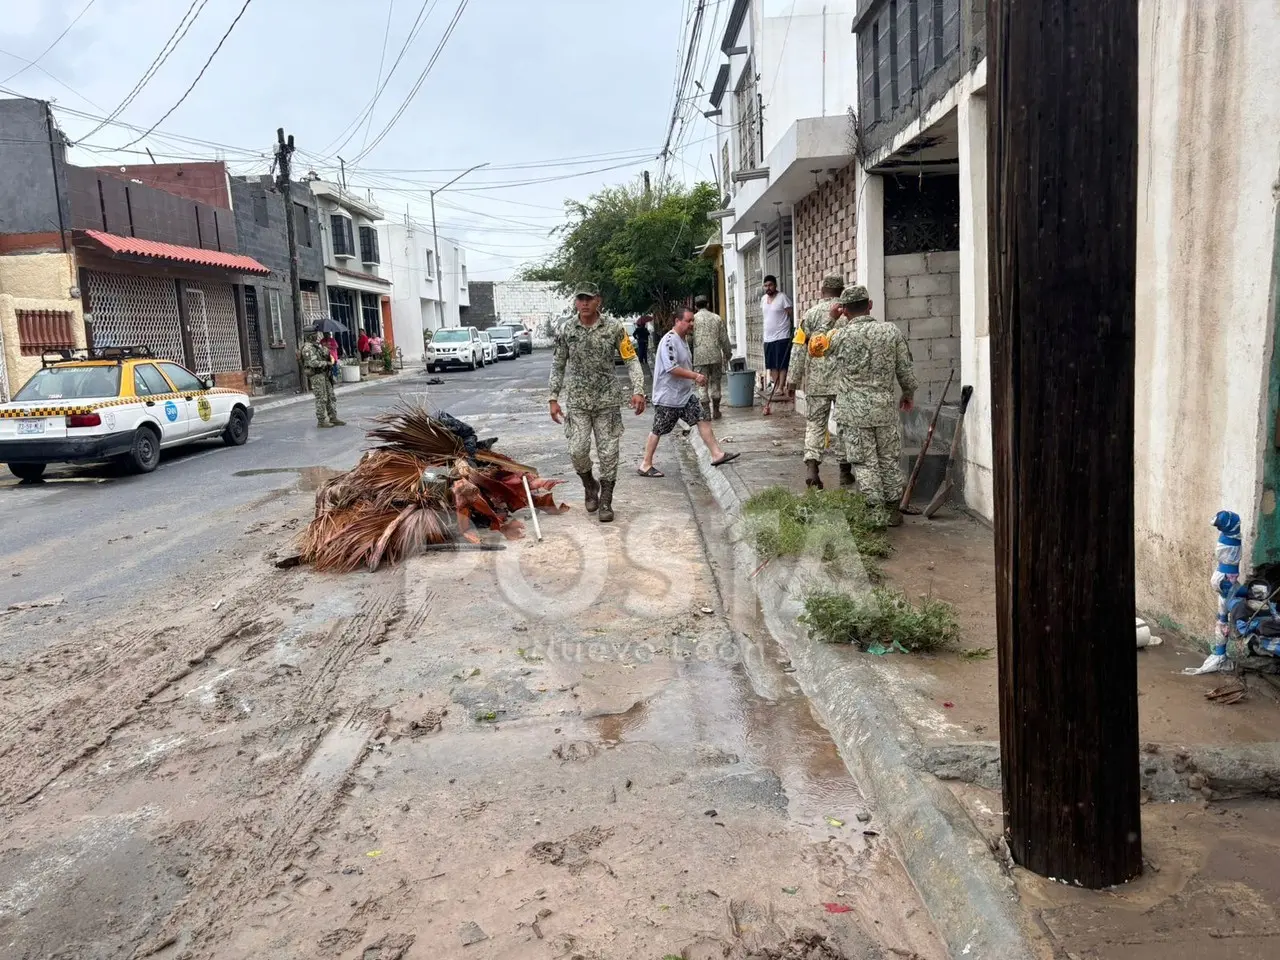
(339, 390)
(971, 900)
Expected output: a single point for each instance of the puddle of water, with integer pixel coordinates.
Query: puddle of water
(309, 478)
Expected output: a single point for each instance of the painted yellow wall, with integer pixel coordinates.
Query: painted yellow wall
(38, 281)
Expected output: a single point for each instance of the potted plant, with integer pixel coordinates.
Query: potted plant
(351, 369)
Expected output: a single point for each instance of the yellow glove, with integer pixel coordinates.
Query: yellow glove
(819, 343)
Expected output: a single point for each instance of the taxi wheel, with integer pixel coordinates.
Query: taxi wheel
(145, 455)
(27, 471)
(237, 432)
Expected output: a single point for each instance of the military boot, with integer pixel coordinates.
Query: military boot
(893, 512)
(812, 479)
(591, 488)
(846, 475)
(606, 501)
(338, 423)
(715, 409)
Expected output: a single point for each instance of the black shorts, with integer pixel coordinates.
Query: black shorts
(777, 355)
(665, 418)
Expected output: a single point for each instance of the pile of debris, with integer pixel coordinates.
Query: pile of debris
(429, 483)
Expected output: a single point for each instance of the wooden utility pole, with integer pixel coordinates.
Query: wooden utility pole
(284, 181)
(1063, 161)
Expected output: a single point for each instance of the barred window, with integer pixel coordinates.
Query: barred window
(344, 244)
(369, 245)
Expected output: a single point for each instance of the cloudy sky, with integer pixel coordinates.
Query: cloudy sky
(573, 93)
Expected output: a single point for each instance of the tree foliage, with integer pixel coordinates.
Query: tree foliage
(639, 247)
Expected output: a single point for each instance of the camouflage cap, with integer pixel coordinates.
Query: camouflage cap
(586, 290)
(833, 281)
(854, 295)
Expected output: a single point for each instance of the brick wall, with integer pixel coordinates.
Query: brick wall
(205, 181)
(237, 380)
(922, 296)
(825, 226)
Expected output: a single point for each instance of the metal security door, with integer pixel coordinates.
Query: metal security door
(753, 285)
(215, 336)
(135, 311)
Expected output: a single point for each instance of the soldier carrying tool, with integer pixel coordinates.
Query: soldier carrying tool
(821, 383)
(317, 363)
(868, 355)
(582, 369)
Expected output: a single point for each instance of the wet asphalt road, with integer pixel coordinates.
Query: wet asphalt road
(89, 534)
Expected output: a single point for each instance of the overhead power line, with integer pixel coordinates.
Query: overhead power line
(56, 40)
(199, 75)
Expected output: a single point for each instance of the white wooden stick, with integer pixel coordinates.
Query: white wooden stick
(533, 514)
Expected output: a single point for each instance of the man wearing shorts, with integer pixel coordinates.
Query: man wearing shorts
(674, 382)
(778, 316)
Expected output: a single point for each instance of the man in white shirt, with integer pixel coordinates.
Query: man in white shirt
(674, 380)
(778, 316)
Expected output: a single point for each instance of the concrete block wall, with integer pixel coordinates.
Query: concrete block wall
(480, 312)
(531, 303)
(825, 232)
(922, 296)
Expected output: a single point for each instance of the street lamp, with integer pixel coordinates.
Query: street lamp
(435, 234)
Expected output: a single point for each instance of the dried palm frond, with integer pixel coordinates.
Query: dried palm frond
(390, 477)
(318, 532)
(413, 429)
(336, 493)
(424, 527)
(353, 538)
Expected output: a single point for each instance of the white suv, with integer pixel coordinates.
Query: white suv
(455, 347)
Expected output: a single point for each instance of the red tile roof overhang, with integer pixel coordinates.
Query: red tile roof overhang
(171, 253)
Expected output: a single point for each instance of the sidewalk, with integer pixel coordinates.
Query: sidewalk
(404, 376)
(1213, 880)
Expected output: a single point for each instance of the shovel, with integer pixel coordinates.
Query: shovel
(944, 491)
(905, 505)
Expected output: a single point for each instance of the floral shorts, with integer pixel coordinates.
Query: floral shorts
(665, 418)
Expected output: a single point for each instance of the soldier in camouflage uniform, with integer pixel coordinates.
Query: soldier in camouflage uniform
(712, 351)
(870, 354)
(317, 364)
(582, 367)
(821, 384)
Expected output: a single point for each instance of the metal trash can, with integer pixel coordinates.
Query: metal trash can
(742, 388)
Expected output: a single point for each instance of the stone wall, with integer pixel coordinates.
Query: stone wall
(825, 228)
(922, 296)
(532, 304)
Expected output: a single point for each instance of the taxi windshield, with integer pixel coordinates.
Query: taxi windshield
(71, 383)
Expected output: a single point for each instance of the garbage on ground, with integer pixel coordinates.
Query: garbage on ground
(837, 908)
(1247, 610)
(428, 484)
(1228, 693)
(1145, 639)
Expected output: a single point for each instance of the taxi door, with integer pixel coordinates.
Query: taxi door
(158, 400)
(190, 389)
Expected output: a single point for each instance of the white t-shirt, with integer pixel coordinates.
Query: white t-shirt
(777, 325)
(669, 391)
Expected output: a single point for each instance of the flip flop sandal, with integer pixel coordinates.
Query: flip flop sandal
(652, 473)
(725, 459)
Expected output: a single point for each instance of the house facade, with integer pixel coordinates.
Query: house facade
(423, 297)
(359, 290)
(93, 257)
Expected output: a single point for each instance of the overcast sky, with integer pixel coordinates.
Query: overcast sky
(519, 82)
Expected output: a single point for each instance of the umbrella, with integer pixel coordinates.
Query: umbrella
(329, 325)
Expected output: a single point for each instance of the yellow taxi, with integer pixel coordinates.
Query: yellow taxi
(114, 403)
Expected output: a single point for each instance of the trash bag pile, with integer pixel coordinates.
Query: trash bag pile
(429, 481)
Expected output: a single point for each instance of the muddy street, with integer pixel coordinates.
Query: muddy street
(574, 748)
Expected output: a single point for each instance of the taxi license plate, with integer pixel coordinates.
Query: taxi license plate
(30, 428)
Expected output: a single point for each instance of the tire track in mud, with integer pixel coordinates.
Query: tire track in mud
(73, 718)
(244, 856)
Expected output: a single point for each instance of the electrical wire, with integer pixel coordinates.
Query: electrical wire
(382, 59)
(56, 41)
(175, 38)
(435, 56)
(199, 75)
(684, 75)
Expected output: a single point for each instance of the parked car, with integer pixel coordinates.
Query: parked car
(631, 333)
(524, 340)
(505, 341)
(490, 348)
(115, 403)
(455, 347)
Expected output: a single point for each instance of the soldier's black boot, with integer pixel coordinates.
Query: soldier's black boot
(606, 501)
(591, 487)
(811, 477)
(846, 475)
(894, 513)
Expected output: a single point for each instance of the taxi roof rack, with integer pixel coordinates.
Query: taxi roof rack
(51, 357)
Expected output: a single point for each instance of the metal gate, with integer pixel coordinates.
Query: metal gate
(255, 329)
(130, 311)
(215, 333)
(753, 286)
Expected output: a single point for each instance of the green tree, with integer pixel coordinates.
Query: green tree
(639, 247)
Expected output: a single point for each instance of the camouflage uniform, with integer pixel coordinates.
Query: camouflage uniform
(711, 349)
(582, 368)
(820, 378)
(870, 354)
(318, 364)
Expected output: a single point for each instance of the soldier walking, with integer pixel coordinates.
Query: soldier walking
(821, 384)
(317, 364)
(711, 354)
(582, 368)
(870, 354)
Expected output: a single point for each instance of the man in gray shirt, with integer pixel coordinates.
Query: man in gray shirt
(674, 380)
